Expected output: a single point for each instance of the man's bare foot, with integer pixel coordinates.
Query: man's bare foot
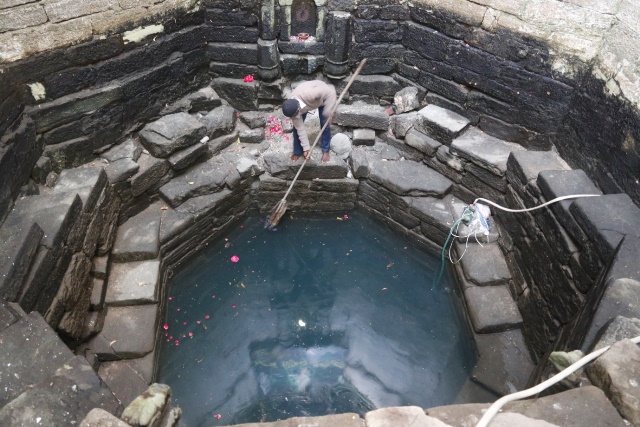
(326, 157)
(295, 157)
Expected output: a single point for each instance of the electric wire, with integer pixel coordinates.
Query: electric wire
(557, 199)
(495, 407)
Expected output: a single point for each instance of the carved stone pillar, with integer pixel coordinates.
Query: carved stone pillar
(337, 44)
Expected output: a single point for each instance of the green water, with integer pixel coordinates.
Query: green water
(320, 316)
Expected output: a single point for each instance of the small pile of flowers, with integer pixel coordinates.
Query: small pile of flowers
(248, 78)
(296, 39)
(274, 128)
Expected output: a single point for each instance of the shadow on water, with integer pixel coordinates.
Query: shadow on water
(318, 317)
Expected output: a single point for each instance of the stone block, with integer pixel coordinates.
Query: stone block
(280, 165)
(121, 170)
(375, 85)
(128, 149)
(421, 142)
(239, 94)
(484, 150)
(238, 53)
(138, 238)
(524, 166)
(98, 292)
(98, 417)
(187, 157)
(494, 181)
(123, 380)
(171, 133)
(63, 398)
(433, 211)
(8, 315)
(607, 219)
(492, 309)
(484, 265)
(204, 178)
(251, 136)
(406, 100)
(20, 243)
(401, 416)
(294, 65)
(70, 154)
(31, 351)
(376, 31)
(253, 119)
(441, 124)
(132, 283)
(41, 170)
(408, 178)
(426, 41)
(403, 123)
(617, 373)
(129, 331)
(230, 17)
(364, 137)
(361, 115)
(150, 172)
(88, 182)
(220, 121)
(228, 34)
(504, 364)
(310, 48)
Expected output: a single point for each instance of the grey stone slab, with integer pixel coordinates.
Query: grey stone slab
(617, 373)
(202, 206)
(128, 149)
(145, 366)
(120, 170)
(123, 380)
(44, 277)
(173, 223)
(408, 178)
(63, 399)
(422, 142)
(510, 419)
(281, 166)
(55, 213)
(621, 298)
(384, 151)
(30, 352)
(484, 150)
(484, 265)
(346, 185)
(624, 264)
(361, 115)
(139, 238)
(130, 330)
(607, 219)
(132, 283)
(100, 266)
(434, 211)
(341, 420)
(8, 315)
(364, 137)
(98, 292)
(406, 99)
(171, 133)
(98, 417)
(239, 94)
(579, 407)
(204, 178)
(360, 163)
(495, 181)
(618, 329)
(150, 172)
(375, 84)
(74, 295)
(401, 416)
(450, 159)
(254, 119)
(504, 364)
(220, 121)
(251, 136)
(525, 166)
(441, 124)
(87, 181)
(492, 309)
(187, 157)
(19, 246)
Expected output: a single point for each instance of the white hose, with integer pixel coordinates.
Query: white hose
(557, 199)
(495, 407)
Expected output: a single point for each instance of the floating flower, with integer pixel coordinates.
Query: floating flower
(213, 296)
(235, 258)
(177, 342)
(170, 298)
(217, 416)
(346, 217)
(184, 323)
(165, 326)
(198, 322)
(178, 309)
(171, 337)
(207, 316)
(233, 306)
(191, 334)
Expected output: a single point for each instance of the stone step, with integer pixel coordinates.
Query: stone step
(409, 178)
(138, 238)
(361, 115)
(279, 165)
(63, 398)
(492, 309)
(88, 182)
(132, 283)
(30, 352)
(20, 243)
(171, 133)
(441, 124)
(123, 379)
(8, 314)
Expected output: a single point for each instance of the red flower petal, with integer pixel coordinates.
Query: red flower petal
(191, 334)
(235, 258)
(206, 317)
(198, 322)
(165, 326)
(213, 296)
(217, 416)
(177, 342)
(233, 306)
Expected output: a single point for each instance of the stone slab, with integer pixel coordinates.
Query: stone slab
(408, 178)
(279, 165)
(98, 417)
(173, 223)
(526, 165)
(123, 380)
(431, 210)
(150, 172)
(62, 399)
(120, 170)
(239, 94)
(364, 137)
(617, 373)
(342, 420)
(492, 309)
(187, 157)
(98, 292)
(30, 352)
(128, 149)
(401, 416)
(484, 265)
(618, 329)
(422, 142)
(361, 115)
(441, 124)
(171, 133)
(87, 181)
(204, 178)
(484, 150)
(504, 364)
(621, 298)
(375, 84)
(138, 239)
(8, 315)
(19, 245)
(583, 406)
(220, 121)
(132, 283)
(130, 330)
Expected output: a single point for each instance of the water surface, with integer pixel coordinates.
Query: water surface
(323, 315)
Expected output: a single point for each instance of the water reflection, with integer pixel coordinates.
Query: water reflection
(322, 316)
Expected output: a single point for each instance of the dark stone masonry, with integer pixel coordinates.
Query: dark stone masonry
(123, 156)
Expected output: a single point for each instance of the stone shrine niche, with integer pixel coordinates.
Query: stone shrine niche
(304, 17)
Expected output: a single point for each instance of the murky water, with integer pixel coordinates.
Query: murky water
(317, 317)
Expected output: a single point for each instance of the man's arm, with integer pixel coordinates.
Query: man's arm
(302, 132)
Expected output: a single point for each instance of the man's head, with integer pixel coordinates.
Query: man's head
(290, 107)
